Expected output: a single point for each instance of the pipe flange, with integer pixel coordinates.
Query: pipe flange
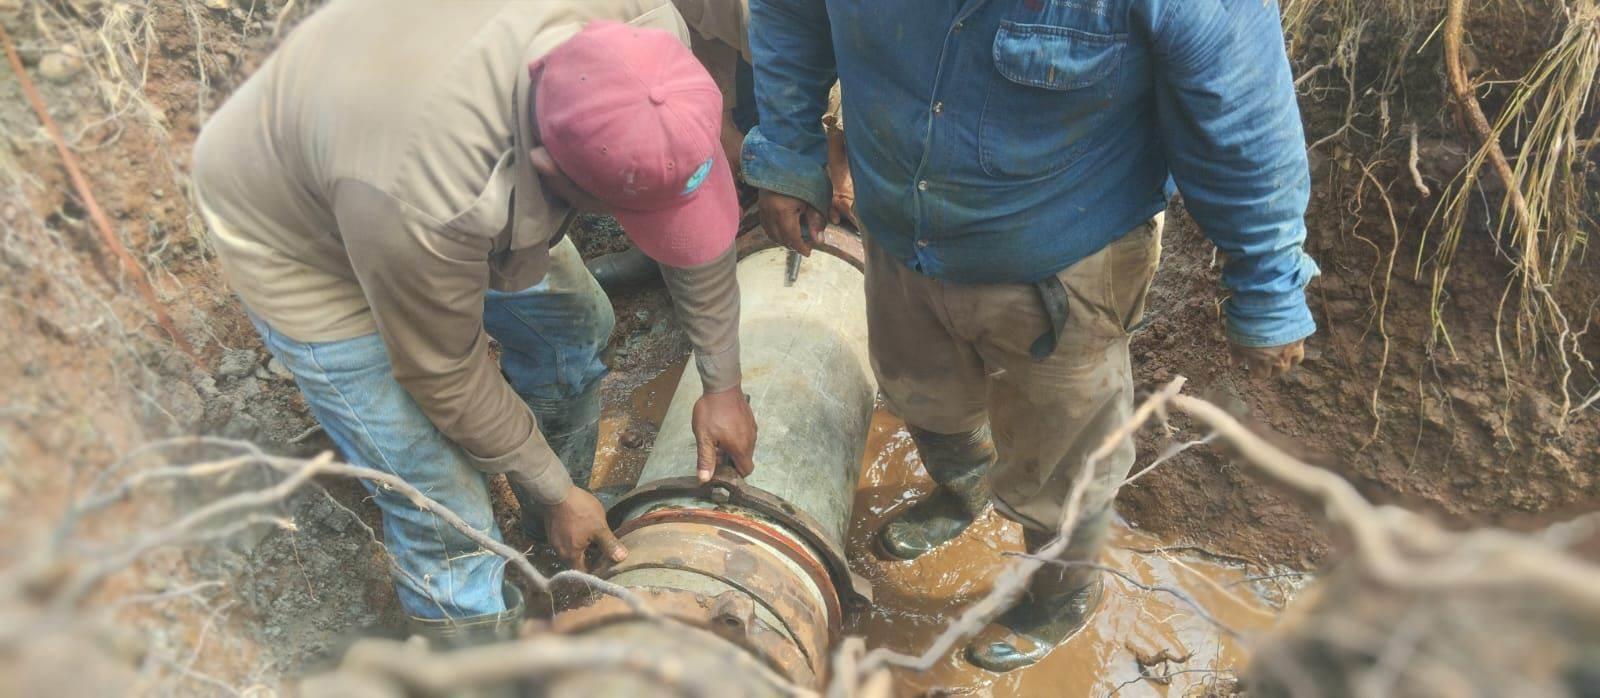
(727, 490)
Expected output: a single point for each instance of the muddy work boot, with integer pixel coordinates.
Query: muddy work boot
(572, 428)
(959, 464)
(446, 634)
(1057, 604)
(624, 269)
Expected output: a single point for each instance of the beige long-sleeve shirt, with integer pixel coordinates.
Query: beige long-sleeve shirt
(719, 36)
(372, 177)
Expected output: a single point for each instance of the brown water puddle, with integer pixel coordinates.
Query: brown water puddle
(1125, 642)
(637, 418)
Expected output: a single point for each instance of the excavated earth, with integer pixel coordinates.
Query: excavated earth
(1453, 430)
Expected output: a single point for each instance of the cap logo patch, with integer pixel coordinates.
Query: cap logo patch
(699, 177)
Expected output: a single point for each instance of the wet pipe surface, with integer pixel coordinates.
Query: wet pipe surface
(1139, 643)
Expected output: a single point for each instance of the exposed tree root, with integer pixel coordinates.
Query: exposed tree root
(102, 224)
(1472, 113)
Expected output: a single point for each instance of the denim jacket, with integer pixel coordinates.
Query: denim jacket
(1000, 141)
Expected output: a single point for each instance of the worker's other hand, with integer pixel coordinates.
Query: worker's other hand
(1268, 362)
(789, 220)
(577, 523)
(844, 186)
(844, 195)
(724, 425)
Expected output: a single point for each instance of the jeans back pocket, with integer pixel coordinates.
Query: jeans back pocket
(1051, 88)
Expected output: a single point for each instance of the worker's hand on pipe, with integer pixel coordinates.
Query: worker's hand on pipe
(791, 222)
(724, 425)
(1268, 362)
(578, 522)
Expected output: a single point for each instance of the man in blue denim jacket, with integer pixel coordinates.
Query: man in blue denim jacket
(1012, 160)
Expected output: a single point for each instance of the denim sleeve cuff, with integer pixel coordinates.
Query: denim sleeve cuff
(1285, 319)
(532, 466)
(719, 371)
(773, 167)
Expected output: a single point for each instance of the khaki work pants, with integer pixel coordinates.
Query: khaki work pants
(950, 356)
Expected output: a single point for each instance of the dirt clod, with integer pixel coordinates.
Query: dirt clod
(60, 67)
(237, 363)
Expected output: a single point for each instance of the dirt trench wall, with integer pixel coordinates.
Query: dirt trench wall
(90, 378)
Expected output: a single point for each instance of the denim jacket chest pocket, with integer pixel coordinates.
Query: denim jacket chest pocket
(1051, 87)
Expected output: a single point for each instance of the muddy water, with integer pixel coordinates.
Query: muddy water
(1136, 635)
(628, 427)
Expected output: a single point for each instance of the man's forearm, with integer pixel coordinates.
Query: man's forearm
(426, 295)
(791, 42)
(470, 402)
(1234, 143)
(707, 301)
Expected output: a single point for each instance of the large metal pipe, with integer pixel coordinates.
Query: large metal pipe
(810, 382)
(760, 561)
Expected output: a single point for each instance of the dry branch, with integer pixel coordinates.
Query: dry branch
(424, 673)
(298, 473)
(1390, 546)
(1175, 593)
(1404, 551)
(231, 514)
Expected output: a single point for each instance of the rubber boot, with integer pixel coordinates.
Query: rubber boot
(450, 634)
(572, 428)
(959, 464)
(445, 634)
(629, 267)
(1058, 602)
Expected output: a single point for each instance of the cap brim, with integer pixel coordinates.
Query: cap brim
(694, 232)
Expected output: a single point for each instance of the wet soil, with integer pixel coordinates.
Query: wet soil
(1454, 431)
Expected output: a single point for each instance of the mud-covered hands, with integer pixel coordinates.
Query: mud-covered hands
(578, 522)
(1268, 362)
(724, 425)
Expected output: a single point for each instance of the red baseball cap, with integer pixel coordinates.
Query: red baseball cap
(631, 116)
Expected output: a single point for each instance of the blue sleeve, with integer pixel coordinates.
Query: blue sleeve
(1235, 146)
(792, 47)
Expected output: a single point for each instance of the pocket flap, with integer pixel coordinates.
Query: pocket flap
(1055, 58)
(489, 213)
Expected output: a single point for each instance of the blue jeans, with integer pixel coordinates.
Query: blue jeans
(550, 335)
